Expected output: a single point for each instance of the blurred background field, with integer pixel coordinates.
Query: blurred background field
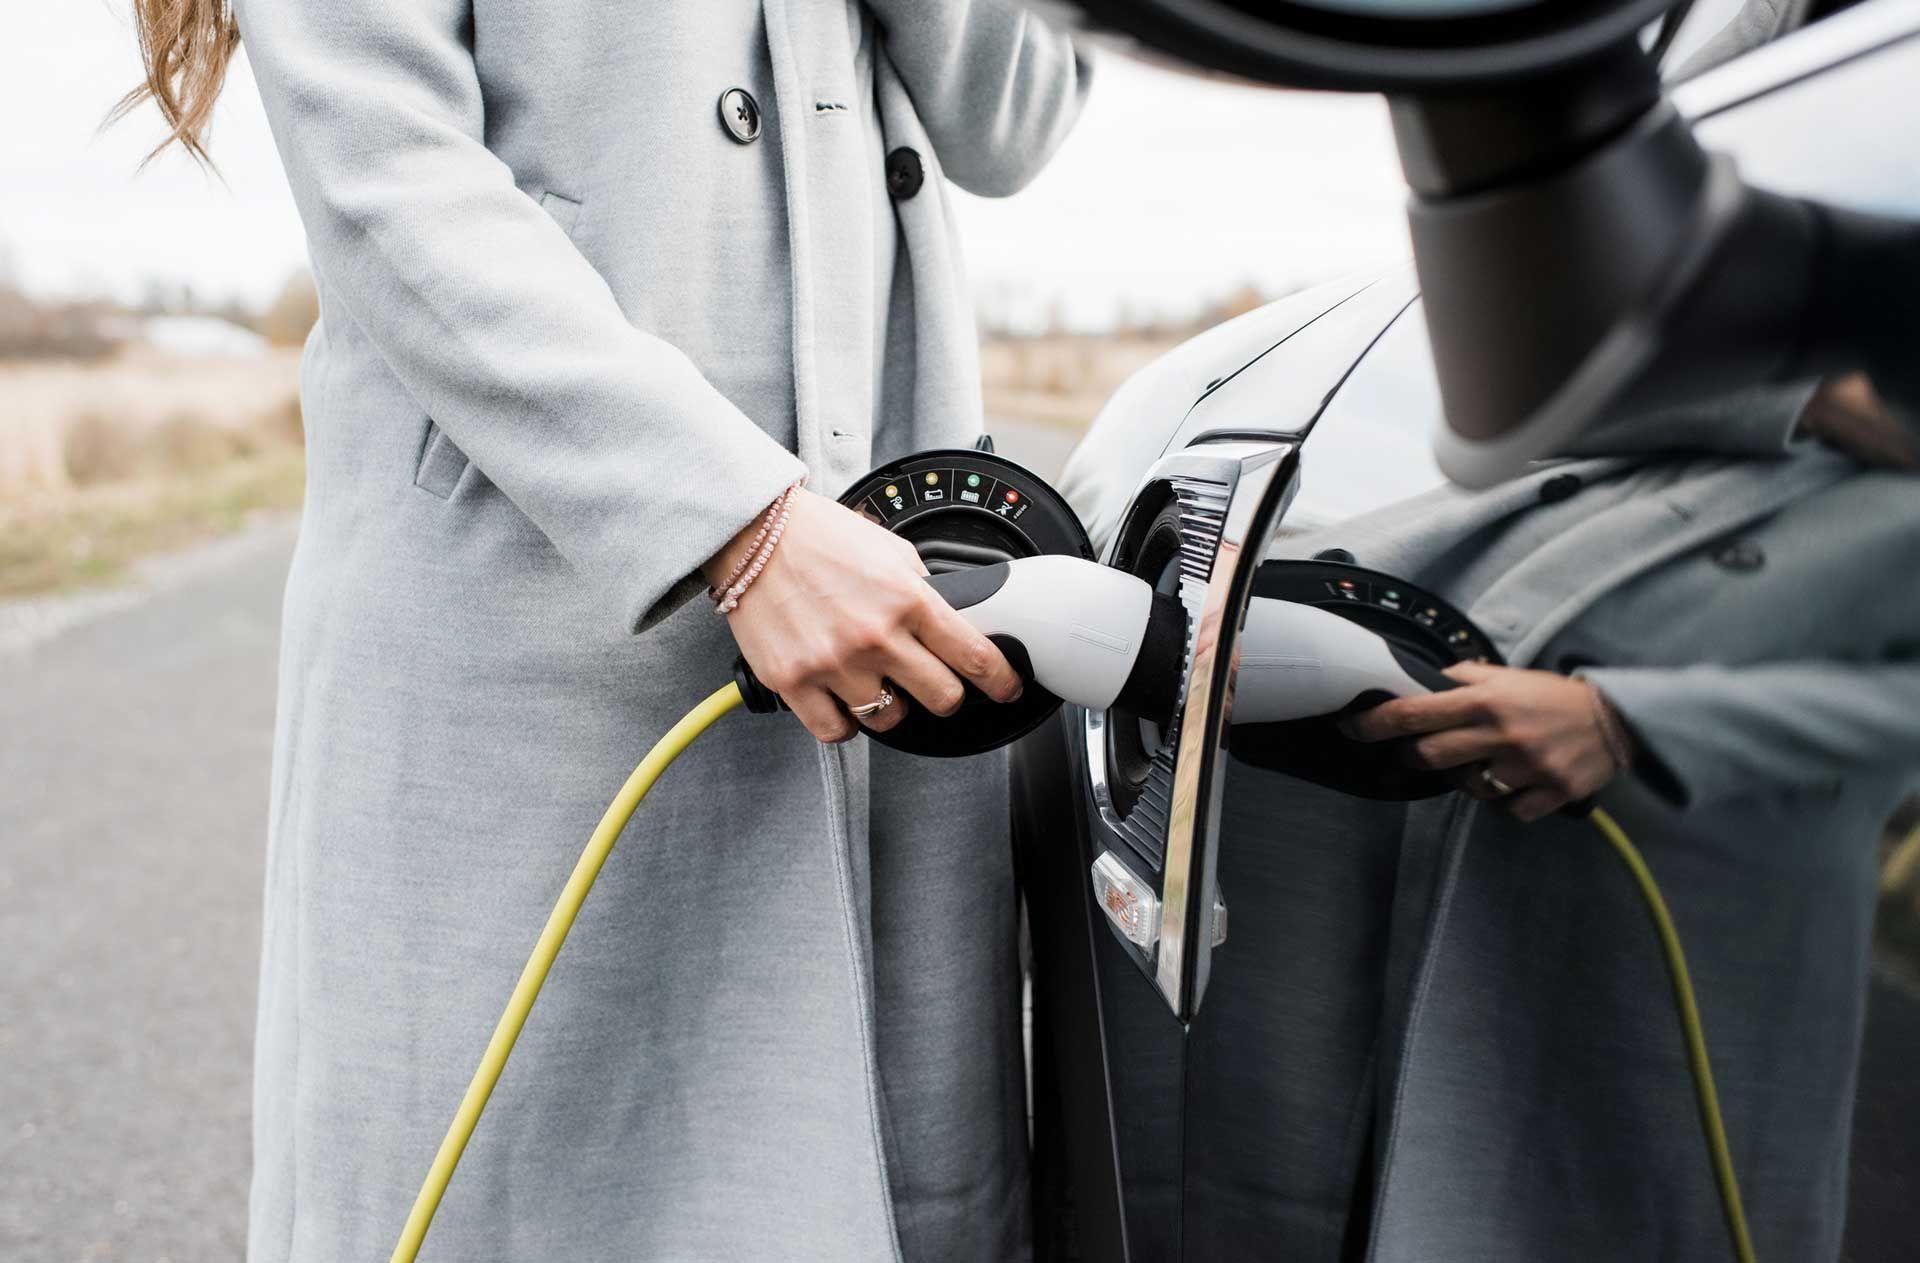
(128, 429)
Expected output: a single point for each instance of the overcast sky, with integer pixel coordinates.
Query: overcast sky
(1173, 189)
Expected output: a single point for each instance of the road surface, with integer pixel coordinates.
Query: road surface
(133, 778)
(135, 735)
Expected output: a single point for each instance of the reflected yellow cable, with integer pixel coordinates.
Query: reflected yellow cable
(1691, 1029)
(527, 990)
(716, 705)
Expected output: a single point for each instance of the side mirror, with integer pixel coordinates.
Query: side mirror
(1580, 256)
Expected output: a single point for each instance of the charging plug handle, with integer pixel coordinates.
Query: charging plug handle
(1087, 633)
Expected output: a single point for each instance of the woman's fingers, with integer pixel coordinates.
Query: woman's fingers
(914, 668)
(965, 648)
(1536, 804)
(841, 605)
(1473, 672)
(1456, 747)
(1471, 782)
(820, 713)
(1407, 716)
(863, 689)
(1490, 781)
(1513, 785)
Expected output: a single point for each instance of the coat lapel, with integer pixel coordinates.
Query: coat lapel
(946, 385)
(830, 233)
(830, 229)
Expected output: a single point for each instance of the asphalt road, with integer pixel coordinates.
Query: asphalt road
(134, 747)
(135, 738)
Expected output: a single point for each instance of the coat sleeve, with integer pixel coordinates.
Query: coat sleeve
(610, 441)
(1715, 732)
(996, 87)
(1758, 421)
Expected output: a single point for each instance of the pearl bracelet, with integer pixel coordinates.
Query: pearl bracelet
(1612, 733)
(759, 551)
(753, 546)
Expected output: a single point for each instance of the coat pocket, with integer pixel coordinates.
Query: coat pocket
(563, 209)
(441, 464)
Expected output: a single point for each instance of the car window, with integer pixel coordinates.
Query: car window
(1836, 136)
(1371, 446)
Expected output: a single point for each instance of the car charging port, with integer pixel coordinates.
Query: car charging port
(1140, 723)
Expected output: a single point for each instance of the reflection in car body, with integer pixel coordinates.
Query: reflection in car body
(1143, 1146)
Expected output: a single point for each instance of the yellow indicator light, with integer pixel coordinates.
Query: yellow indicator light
(892, 490)
(933, 479)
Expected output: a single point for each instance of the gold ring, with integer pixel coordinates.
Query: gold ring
(1494, 783)
(873, 707)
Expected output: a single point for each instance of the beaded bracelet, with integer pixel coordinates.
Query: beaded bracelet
(752, 549)
(759, 551)
(1612, 732)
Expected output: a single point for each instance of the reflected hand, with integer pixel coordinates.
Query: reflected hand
(1536, 732)
(1845, 413)
(841, 609)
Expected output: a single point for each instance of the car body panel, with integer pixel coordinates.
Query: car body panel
(1143, 1151)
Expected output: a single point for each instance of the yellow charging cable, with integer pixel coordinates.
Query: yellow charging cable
(1711, 1125)
(527, 990)
(717, 704)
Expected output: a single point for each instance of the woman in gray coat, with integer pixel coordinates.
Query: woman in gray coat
(599, 282)
(1712, 629)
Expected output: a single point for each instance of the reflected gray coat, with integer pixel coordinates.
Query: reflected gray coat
(1751, 610)
(574, 336)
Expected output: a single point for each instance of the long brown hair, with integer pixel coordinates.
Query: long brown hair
(186, 46)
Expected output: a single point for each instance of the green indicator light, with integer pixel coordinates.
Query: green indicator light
(973, 480)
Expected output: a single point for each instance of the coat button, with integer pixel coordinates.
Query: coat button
(740, 115)
(1560, 487)
(904, 173)
(1741, 555)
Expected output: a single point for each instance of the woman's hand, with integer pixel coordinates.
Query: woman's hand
(1543, 735)
(841, 608)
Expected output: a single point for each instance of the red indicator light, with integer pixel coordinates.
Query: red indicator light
(1347, 584)
(1013, 497)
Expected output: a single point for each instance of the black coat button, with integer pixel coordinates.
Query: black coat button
(905, 175)
(1340, 555)
(740, 115)
(1740, 555)
(1560, 487)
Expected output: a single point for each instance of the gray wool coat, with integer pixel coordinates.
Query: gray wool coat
(574, 334)
(1491, 1055)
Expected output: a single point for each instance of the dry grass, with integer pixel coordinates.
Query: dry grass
(1062, 379)
(91, 536)
(102, 463)
(65, 425)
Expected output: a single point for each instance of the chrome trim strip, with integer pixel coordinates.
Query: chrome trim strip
(1186, 872)
(1229, 502)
